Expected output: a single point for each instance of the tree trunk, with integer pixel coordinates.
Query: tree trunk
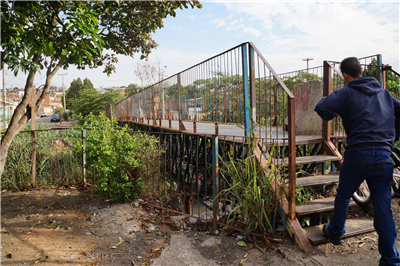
(22, 113)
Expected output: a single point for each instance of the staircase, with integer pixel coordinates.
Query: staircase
(304, 237)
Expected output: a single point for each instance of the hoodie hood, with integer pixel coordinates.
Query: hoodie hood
(367, 85)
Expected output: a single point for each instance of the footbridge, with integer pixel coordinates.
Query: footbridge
(234, 105)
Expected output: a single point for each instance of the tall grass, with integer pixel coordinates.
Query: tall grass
(249, 193)
(56, 161)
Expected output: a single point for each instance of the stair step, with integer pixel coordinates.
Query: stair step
(318, 180)
(353, 227)
(318, 205)
(310, 159)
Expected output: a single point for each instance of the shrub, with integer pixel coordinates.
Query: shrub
(117, 157)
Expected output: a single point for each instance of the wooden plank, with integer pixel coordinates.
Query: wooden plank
(298, 235)
(353, 227)
(318, 205)
(317, 180)
(311, 159)
(330, 149)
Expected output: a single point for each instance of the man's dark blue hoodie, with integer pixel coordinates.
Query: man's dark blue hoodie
(371, 116)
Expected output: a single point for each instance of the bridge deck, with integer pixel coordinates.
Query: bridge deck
(234, 132)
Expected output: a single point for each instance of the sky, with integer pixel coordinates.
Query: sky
(284, 32)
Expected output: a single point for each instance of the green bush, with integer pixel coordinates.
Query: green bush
(118, 159)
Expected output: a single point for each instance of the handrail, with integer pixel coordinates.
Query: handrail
(289, 93)
(334, 68)
(202, 62)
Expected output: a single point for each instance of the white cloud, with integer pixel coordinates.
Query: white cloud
(322, 30)
(218, 22)
(256, 33)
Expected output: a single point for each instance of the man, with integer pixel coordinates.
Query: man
(371, 119)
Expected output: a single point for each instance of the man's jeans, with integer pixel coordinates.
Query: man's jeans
(377, 168)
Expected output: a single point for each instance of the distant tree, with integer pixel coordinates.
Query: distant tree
(131, 89)
(92, 101)
(74, 90)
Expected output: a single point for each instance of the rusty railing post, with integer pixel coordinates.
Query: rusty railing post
(292, 158)
(326, 130)
(181, 125)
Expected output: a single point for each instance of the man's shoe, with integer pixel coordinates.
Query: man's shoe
(335, 239)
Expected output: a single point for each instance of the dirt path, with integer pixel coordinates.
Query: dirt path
(72, 227)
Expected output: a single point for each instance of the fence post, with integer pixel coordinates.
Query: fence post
(215, 180)
(83, 156)
(33, 136)
(246, 97)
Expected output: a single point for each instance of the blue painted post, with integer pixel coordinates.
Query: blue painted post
(215, 180)
(246, 93)
(380, 70)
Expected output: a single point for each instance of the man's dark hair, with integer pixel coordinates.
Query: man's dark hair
(351, 67)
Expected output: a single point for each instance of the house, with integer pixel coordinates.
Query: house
(8, 112)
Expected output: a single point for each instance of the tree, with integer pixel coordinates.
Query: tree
(73, 91)
(92, 101)
(131, 89)
(50, 35)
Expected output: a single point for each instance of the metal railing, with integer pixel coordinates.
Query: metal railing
(238, 87)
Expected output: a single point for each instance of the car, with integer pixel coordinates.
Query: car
(44, 114)
(55, 118)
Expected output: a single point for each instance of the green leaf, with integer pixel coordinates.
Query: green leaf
(241, 244)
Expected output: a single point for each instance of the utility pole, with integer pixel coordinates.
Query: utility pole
(308, 59)
(4, 97)
(65, 107)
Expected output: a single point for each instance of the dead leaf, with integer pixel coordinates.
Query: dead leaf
(119, 243)
(42, 258)
(157, 248)
(18, 209)
(268, 243)
(81, 226)
(362, 245)
(260, 249)
(243, 260)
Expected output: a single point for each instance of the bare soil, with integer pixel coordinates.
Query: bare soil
(71, 226)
